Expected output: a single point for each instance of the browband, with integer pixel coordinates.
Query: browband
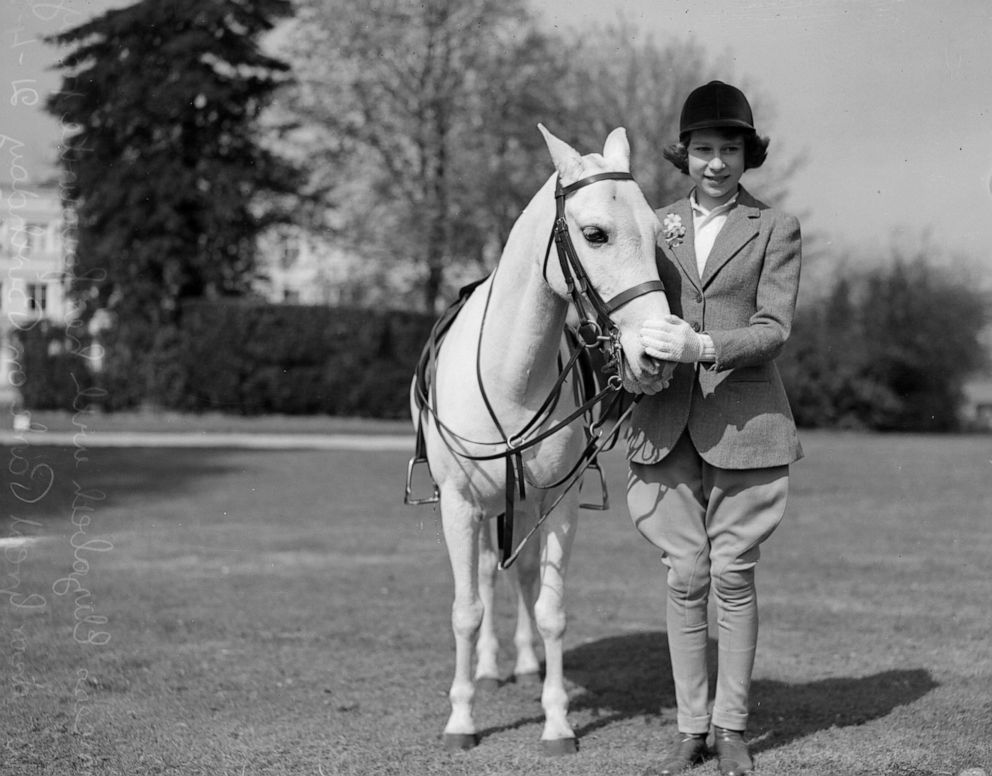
(600, 176)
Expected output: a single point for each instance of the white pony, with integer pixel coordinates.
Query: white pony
(493, 371)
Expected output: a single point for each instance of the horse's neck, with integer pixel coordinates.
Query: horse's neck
(525, 318)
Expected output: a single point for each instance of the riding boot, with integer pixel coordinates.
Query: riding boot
(734, 758)
(689, 751)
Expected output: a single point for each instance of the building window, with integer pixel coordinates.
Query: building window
(37, 297)
(36, 237)
(290, 252)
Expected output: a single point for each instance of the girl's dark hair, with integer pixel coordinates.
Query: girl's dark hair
(755, 151)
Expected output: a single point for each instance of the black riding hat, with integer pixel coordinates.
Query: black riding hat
(714, 105)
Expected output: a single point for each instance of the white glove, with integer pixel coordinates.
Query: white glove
(671, 339)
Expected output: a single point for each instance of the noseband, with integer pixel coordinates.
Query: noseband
(597, 329)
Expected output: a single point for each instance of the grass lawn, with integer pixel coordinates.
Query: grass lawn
(267, 612)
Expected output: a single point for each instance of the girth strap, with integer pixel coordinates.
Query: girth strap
(504, 523)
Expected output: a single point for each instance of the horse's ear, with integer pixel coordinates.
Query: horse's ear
(567, 160)
(616, 150)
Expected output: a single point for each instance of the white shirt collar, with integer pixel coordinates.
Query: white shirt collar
(698, 209)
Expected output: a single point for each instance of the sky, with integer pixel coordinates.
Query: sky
(888, 103)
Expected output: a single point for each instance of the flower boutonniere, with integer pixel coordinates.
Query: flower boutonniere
(674, 232)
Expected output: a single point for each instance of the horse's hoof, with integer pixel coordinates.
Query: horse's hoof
(530, 679)
(556, 747)
(460, 742)
(487, 684)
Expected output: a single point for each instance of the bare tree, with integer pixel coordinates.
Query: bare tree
(412, 110)
(418, 121)
(624, 78)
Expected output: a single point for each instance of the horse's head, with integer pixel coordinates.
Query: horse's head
(612, 232)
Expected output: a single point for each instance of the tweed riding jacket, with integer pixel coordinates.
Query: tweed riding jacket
(735, 410)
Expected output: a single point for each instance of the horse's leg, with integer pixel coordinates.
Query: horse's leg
(556, 547)
(487, 647)
(527, 669)
(461, 534)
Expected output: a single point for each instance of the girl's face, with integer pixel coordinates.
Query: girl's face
(716, 163)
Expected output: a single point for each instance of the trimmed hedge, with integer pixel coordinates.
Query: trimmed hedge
(238, 357)
(51, 367)
(253, 358)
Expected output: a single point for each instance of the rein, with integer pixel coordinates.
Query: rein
(596, 330)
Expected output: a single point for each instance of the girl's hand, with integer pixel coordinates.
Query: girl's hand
(671, 339)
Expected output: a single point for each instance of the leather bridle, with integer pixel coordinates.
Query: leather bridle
(600, 330)
(596, 330)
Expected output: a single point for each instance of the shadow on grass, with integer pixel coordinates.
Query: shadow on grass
(622, 676)
(630, 676)
(42, 483)
(785, 712)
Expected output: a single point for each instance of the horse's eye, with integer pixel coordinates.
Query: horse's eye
(595, 235)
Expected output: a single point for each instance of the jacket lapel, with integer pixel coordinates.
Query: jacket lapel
(685, 251)
(741, 227)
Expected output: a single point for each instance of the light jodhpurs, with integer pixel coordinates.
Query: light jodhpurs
(709, 524)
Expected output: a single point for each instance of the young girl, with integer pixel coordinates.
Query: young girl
(710, 455)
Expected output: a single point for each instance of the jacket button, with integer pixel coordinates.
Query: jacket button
(695, 326)
(699, 297)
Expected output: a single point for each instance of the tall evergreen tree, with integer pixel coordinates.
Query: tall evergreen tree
(164, 166)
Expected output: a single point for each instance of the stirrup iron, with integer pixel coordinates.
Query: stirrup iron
(408, 494)
(604, 501)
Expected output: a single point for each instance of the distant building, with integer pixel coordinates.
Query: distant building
(978, 404)
(301, 266)
(32, 254)
(33, 247)
(297, 267)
